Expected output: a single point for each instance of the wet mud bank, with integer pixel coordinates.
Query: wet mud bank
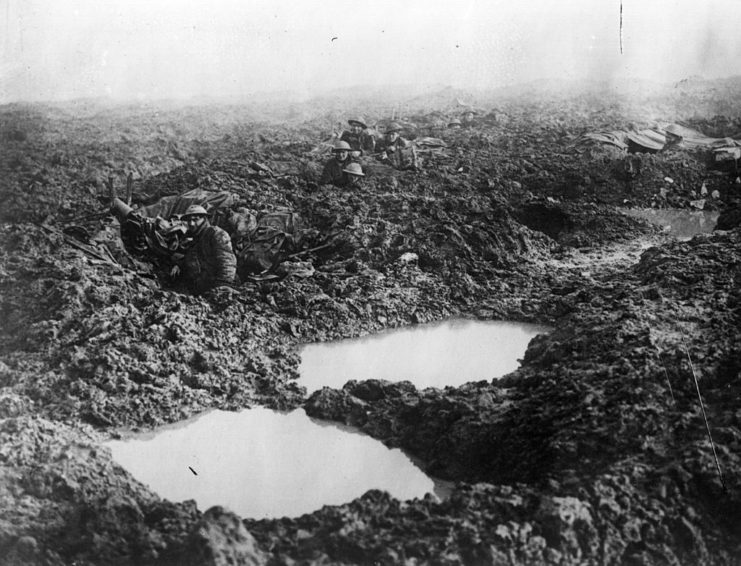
(594, 451)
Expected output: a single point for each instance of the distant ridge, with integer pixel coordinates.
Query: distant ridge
(402, 98)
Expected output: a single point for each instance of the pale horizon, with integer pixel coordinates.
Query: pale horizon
(163, 49)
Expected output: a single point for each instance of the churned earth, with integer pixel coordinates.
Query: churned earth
(595, 451)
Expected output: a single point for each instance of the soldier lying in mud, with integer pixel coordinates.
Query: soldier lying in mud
(359, 140)
(354, 175)
(468, 119)
(390, 148)
(210, 261)
(333, 172)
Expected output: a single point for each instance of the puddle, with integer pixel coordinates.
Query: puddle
(266, 464)
(682, 224)
(453, 352)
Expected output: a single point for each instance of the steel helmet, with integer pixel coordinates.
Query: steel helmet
(195, 210)
(357, 120)
(454, 122)
(342, 146)
(393, 127)
(354, 169)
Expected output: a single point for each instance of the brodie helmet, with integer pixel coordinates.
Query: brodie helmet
(359, 121)
(194, 210)
(354, 169)
(341, 146)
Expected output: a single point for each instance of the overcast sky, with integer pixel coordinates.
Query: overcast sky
(60, 49)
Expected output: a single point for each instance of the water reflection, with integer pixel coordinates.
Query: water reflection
(264, 464)
(432, 355)
(682, 224)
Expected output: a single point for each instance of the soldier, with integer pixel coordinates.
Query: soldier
(333, 170)
(360, 141)
(354, 173)
(467, 118)
(391, 145)
(454, 124)
(210, 261)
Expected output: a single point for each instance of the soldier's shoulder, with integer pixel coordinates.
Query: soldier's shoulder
(218, 234)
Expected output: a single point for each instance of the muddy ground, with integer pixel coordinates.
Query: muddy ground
(594, 452)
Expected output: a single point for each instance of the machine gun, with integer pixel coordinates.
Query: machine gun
(145, 235)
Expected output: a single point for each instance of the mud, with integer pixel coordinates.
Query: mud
(594, 451)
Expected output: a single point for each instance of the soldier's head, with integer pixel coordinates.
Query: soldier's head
(454, 123)
(354, 173)
(357, 125)
(195, 216)
(392, 131)
(468, 115)
(341, 150)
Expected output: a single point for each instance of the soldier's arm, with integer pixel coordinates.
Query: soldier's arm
(226, 261)
(381, 150)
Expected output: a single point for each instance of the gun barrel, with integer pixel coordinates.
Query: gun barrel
(120, 208)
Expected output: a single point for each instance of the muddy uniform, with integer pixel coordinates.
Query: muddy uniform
(210, 261)
(333, 173)
(392, 151)
(362, 142)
